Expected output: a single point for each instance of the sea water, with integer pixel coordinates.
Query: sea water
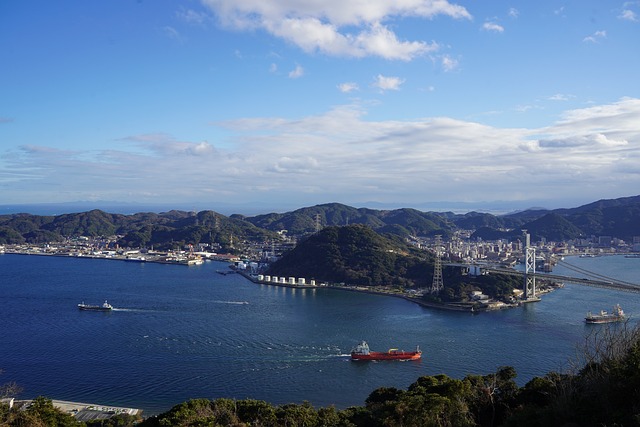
(180, 332)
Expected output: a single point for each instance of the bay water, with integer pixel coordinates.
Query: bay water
(181, 332)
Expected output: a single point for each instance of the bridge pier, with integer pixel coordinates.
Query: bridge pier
(529, 289)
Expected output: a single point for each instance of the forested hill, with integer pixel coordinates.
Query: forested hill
(173, 229)
(619, 218)
(400, 221)
(357, 255)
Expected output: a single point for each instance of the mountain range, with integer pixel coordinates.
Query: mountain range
(618, 218)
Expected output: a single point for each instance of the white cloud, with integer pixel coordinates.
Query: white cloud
(595, 37)
(348, 87)
(191, 16)
(172, 33)
(303, 165)
(352, 28)
(629, 15)
(375, 40)
(296, 72)
(449, 63)
(388, 83)
(560, 97)
(513, 12)
(163, 144)
(493, 27)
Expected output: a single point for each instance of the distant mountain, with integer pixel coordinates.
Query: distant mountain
(401, 221)
(173, 229)
(616, 218)
(551, 224)
(619, 218)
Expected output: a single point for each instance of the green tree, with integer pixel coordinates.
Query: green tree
(42, 412)
(293, 415)
(256, 412)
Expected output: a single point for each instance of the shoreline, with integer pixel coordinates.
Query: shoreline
(460, 306)
(155, 259)
(468, 307)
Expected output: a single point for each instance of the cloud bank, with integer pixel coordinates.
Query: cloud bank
(341, 156)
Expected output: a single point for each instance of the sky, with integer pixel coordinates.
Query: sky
(275, 105)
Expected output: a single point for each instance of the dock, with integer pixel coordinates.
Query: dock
(87, 411)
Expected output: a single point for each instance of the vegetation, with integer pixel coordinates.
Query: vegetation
(355, 255)
(170, 230)
(42, 413)
(618, 218)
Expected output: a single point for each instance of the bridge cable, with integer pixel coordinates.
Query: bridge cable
(592, 274)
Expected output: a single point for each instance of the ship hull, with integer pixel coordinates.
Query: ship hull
(604, 319)
(376, 355)
(93, 308)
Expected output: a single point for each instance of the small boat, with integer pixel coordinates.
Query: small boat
(616, 315)
(88, 307)
(362, 352)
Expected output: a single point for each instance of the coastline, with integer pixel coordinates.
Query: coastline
(461, 307)
(158, 258)
(189, 260)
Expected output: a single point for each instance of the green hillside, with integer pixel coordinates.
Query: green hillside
(356, 255)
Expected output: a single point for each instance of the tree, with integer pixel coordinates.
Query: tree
(292, 415)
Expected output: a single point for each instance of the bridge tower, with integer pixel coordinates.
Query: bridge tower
(437, 268)
(529, 291)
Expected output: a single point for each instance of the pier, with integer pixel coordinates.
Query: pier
(86, 411)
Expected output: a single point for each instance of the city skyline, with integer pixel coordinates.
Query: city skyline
(278, 105)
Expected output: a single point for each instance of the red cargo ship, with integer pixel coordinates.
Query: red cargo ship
(362, 352)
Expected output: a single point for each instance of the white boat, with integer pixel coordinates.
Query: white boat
(88, 307)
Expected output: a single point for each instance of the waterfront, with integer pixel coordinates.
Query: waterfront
(180, 332)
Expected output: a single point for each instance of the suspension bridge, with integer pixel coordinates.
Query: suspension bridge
(529, 275)
(588, 278)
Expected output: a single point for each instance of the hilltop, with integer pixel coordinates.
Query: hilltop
(356, 255)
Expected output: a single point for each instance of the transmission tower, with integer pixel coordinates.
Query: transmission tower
(317, 222)
(437, 268)
(529, 291)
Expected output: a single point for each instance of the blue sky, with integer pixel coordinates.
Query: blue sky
(282, 104)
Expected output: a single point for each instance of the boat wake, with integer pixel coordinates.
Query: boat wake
(231, 302)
